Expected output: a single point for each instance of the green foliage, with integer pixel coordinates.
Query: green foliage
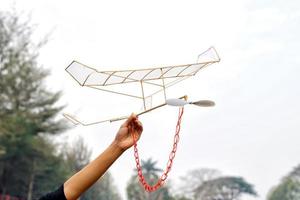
(289, 188)
(193, 179)
(103, 189)
(21, 79)
(181, 197)
(225, 188)
(208, 184)
(295, 173)
(77, 155)
(29, 163)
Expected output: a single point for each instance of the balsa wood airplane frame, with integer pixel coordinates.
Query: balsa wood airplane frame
(101, 80)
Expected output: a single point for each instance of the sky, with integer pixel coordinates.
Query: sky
(253, 131)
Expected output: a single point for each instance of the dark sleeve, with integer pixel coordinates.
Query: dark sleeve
(56, 195)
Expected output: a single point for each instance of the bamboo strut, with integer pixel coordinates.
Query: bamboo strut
(76, 121)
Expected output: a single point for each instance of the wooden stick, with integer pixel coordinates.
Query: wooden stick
(75, 121)
(146, 111)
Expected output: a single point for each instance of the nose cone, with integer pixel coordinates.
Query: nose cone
(176, 102)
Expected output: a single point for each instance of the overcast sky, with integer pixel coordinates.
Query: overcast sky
(254, 129)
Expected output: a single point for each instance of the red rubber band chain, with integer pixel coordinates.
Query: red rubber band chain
(162, 179)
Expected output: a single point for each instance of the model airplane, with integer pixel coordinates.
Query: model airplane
(160, 77)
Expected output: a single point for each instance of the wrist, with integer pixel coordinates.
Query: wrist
(116, 146)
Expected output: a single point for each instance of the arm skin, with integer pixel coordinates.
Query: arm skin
(87, 176)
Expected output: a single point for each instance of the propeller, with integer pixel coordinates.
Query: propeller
(204, 103)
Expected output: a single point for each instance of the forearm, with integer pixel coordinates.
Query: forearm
(86, 177)
(81, 181)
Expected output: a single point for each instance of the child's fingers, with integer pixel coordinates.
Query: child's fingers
(130, 119)
(138, 126)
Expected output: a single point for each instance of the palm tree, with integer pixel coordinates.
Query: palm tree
(150, 171)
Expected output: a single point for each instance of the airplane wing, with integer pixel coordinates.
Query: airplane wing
(88, 76)
(159, 78)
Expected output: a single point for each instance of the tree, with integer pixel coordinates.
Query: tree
(103, 189)
(289, 188)
(28, 113)
(224, 188)
(77, 155)
(194, 179)
(136, 192)
(208, 184)
(295, 173)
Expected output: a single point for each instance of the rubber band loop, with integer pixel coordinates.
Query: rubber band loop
(172, 154)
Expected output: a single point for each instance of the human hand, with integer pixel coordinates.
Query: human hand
(132, 127)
